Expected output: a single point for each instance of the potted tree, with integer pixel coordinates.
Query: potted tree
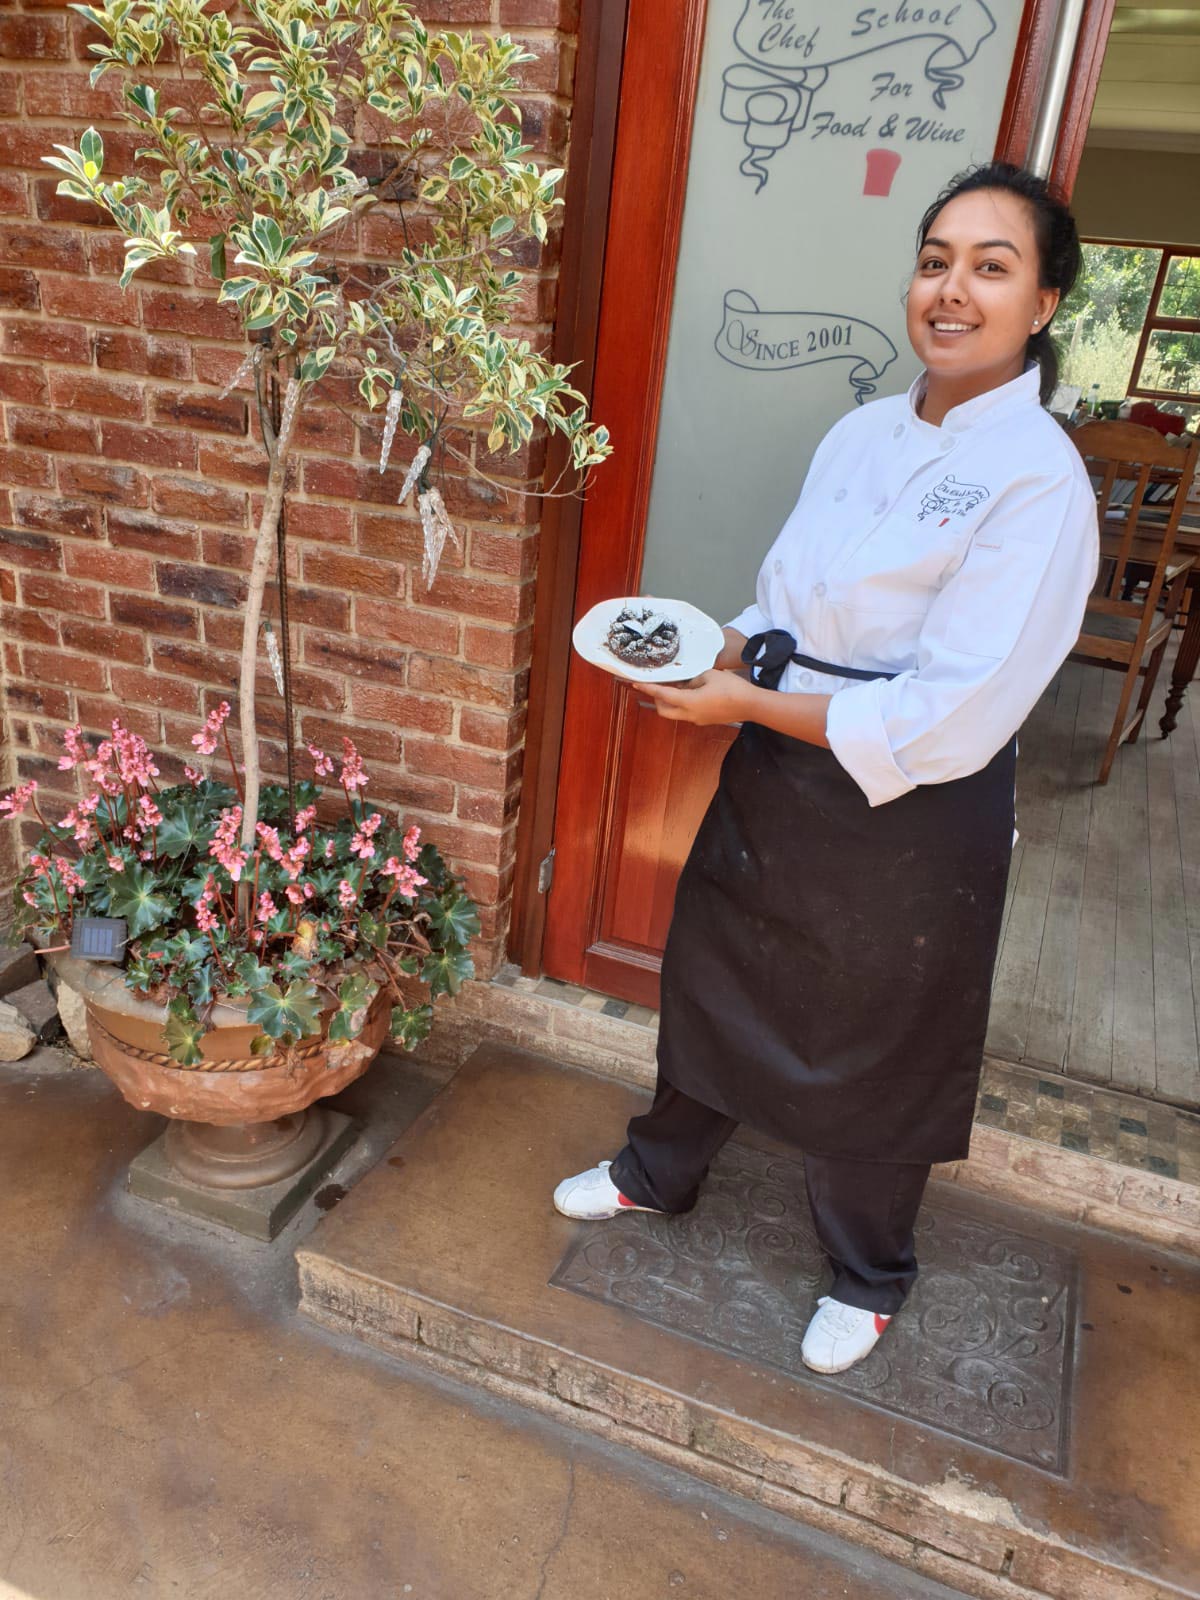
(269, 131)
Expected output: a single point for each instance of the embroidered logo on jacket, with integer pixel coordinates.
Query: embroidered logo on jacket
(951, 498)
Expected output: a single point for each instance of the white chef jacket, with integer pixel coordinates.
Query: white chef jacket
(960, 557)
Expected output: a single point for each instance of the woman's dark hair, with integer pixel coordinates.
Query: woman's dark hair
(1059, 255)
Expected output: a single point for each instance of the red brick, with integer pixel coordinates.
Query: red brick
(168, 311)
(225, 549)
(102, 640)
(405, 625)
(106, 258)
(194, 661)
(50, 430)
(124, 485)
(374, 744)
(348, 480)
(475, 767)
(233, 463)
(512, 554)
(86, 300)
(380, 663)
(316, 608)
(52, 666)
(402, 710)
(497, 647)
(427, 795)
(20, 548)
(459, 682)
(14, 200)
(322, 524)
(476, 597)
(62, 594)
(194, 497)
(120, 568)
(52, 514)
(209, 413)
(97, 719)
(8, 586)
(33, 38)
(464, 844)
(153, 447)
(492, 810)
(201, 584)
(11, 93)
(24, 384)
(154, 689)
(154, 616)
(29, 468)
(42, 701)
(19, 289)
(18, 622)
(493, 731)
(549, 72)
(48, 341)
(152, 357)
(101, 397)
(326, 429)
(131, 529)
(68, 94)
(337, 569)
(539, 14)
(50, 206)
(392, 536)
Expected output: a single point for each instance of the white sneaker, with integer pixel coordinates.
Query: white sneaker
(592, 1195)
(839, 1335)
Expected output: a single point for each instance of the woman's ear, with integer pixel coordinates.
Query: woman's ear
(1047, 305)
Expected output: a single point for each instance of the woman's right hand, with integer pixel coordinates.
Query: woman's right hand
(730, 657)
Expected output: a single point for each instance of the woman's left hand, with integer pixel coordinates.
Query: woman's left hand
(714, 697)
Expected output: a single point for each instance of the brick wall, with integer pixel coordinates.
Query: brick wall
(129, 488)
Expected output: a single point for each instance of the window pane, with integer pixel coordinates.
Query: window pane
(1173, 363)
(1098, 326)
(1181, 292)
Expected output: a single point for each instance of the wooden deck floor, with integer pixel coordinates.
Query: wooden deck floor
(1099, 968)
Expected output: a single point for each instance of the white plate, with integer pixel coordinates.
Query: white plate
(700, 640)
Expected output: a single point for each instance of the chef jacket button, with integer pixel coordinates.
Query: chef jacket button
(779, 566)
(819, 590)
(898, 431)
(881, 508)
(840, 495)
(804, 679)
(946, 442)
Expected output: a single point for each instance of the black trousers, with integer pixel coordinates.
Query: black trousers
(864, 1211)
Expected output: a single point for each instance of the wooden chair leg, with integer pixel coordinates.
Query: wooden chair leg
(1148, 682)
(1114, 738)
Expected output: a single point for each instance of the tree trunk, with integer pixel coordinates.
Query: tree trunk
(260, 571)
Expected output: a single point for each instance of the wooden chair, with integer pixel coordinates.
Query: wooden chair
(1141, 486)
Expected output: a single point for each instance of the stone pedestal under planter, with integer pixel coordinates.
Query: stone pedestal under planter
(239, 1123)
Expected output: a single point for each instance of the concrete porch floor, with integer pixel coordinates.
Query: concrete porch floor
(169, 1426)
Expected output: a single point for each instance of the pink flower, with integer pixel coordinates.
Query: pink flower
(295, 894)
(135, 764)
(29, 898)
(205, 920)
(408, 880)
(84, 828)
(270, 838)
(304, 819)
(292, 860)
(266, 907)
(361, 844)
(353, 776)
(206, 740)
(412, 844)
(117, 863)
(322, 765)
(78, 749)
(224, 846)
(71, 881)
(16, 802)
(149, 816)
(329, 848)
(193, 776)
(347, 894)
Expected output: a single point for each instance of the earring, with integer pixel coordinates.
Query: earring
(1035, 321)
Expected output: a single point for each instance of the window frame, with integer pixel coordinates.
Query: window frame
(1152, 322)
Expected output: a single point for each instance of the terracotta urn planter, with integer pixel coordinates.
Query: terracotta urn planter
(237, 1120)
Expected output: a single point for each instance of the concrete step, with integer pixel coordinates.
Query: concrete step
(1028, 1426)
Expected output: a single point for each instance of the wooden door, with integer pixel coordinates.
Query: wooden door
(841, 138)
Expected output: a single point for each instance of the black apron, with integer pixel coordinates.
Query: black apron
(828, 972)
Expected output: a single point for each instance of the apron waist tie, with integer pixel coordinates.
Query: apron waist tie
(768, 655)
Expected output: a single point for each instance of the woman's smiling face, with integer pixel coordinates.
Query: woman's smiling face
(975, 299)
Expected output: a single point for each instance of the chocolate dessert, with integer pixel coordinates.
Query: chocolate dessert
(643, 637)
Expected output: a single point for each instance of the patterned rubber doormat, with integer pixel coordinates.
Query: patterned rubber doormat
(983, 1349)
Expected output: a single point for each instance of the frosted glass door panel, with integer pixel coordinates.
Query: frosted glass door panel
(822, 131)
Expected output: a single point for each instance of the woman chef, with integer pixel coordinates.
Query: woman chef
(827, 975)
